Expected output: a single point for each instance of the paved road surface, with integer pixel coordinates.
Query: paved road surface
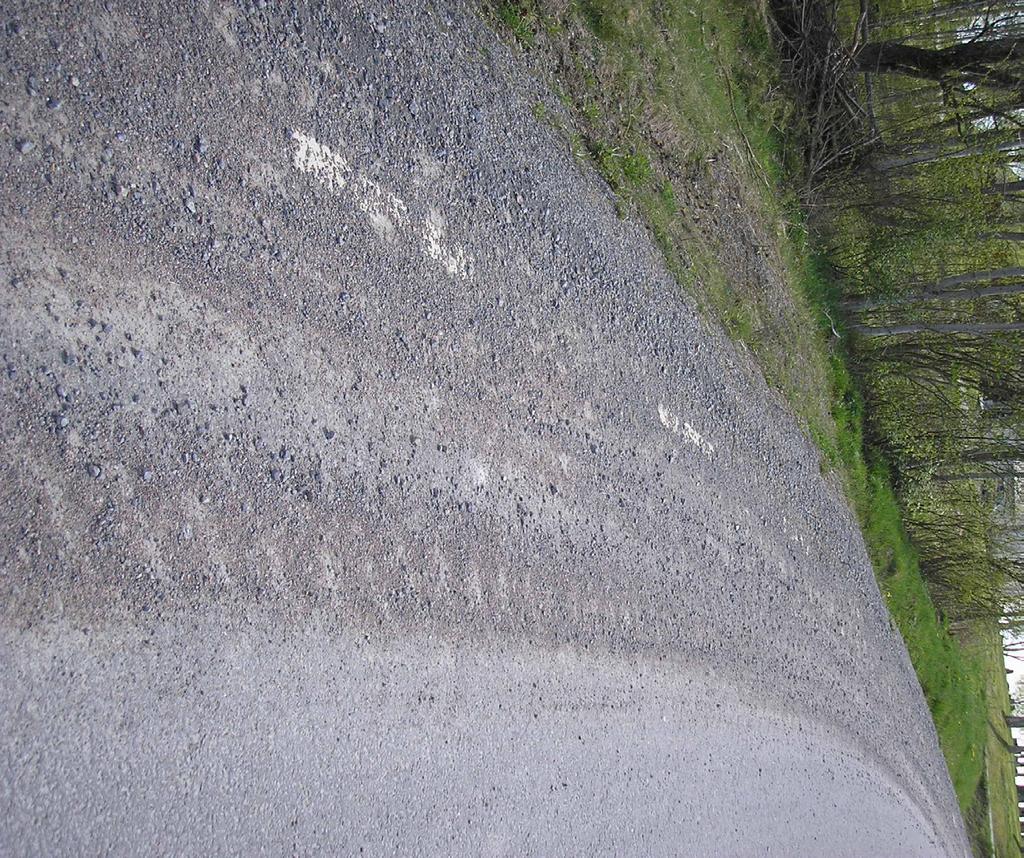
(367, 485)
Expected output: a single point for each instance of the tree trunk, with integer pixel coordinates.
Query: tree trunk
(985, 457)
(977, 475)
(974, 277)
(1002, 236)
(930, 295)
(979, 328)
(941, 153)
(1005, 187)
(975, 61)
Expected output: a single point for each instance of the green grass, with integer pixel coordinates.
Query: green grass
(659, 94)
(1000, 790)
(518, 22)
(950, 676)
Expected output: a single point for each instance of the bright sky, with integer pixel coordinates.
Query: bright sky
(1014, 664)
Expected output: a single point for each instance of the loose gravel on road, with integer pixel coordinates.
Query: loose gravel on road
(367, 484)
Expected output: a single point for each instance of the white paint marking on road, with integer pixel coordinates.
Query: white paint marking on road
(435, 235)
(698, 440)
(387, 213)
(311, 157)
(479, 473)
(670, 420)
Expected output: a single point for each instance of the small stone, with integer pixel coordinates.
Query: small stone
(190, 205)
(201, 145)
(53, 103)
(107, 156)
(329, 434)
(95, 471)
(147, 476)
(24, 146)
(62, 421)
(276, 475)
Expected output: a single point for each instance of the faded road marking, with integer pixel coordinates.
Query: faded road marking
(670, 420)
(330, 167)
(698, 440)
(435, 235)
(387, 213)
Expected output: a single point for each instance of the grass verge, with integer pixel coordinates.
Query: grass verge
(678, 105)
(984, 643)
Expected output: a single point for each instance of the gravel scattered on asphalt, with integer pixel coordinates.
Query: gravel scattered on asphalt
(599, 473)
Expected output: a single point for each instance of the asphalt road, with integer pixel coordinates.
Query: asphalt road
(367, 485)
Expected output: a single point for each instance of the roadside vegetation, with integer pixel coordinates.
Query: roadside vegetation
(999, 782)
(834, 181)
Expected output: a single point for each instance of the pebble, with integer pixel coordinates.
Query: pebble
(53, 103)
(95, 471)
(147, 476)
(24, 146)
